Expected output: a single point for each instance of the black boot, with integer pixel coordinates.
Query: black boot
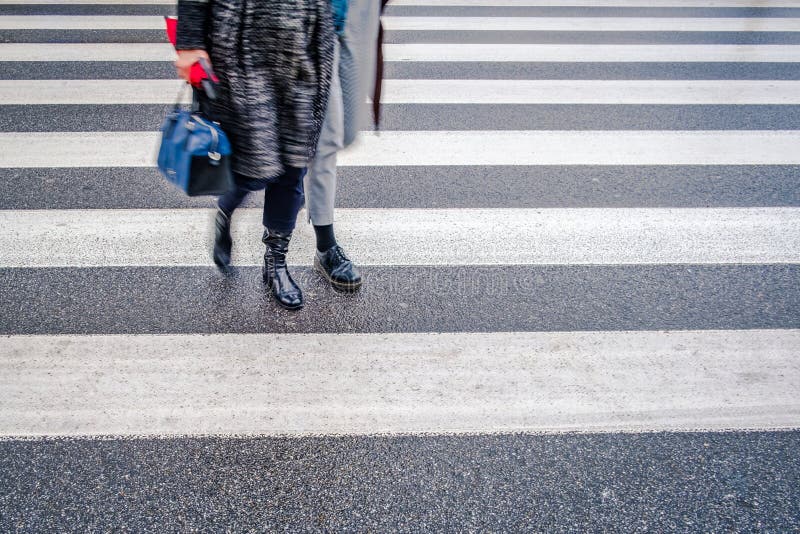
(276, 276)
(338, 269)
(222, 240)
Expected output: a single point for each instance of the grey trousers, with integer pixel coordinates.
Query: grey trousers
(353, 79)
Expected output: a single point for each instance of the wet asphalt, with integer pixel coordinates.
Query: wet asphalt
(663, 482)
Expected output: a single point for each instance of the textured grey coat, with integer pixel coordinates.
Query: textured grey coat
(274, 61)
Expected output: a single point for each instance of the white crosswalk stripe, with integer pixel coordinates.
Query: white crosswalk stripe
(590, 53)
(428, 52)
(399, 91)
(594, 24)
(102, 238)
(562, 24)
(394, 148)
(398, 383)
(75, 380)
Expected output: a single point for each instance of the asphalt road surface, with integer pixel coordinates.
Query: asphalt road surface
(580, 236)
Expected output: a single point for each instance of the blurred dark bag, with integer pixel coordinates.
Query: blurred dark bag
(195, 153)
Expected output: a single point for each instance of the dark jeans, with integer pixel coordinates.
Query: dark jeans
(283, 198)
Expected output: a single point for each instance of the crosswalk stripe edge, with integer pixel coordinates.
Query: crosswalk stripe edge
(434, 52)
(399, 91)
(593, 236)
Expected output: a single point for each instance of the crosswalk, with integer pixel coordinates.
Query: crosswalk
(133, 22)
(450, 148)
(279, 393)
(428, 52)
(570, 236)
(677, 92)
(578, 217)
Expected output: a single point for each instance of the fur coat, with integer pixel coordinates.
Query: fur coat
(274, 61)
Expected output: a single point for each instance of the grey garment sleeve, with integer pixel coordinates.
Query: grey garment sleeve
(193, 19)
(357, 64)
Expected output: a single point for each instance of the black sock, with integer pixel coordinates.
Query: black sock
(325, 237)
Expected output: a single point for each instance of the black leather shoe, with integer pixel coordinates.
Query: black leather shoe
(223, 242)
(338, 269)
(275, 273)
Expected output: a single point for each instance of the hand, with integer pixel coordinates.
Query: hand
(187, 58)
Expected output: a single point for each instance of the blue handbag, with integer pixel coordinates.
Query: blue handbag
(195, 154)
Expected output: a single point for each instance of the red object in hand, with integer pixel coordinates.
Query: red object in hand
(201, 76)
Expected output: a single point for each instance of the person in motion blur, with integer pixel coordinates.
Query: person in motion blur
(274, 61)
(354, 76)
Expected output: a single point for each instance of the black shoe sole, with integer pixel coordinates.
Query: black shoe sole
(339, 286)
(286, 306)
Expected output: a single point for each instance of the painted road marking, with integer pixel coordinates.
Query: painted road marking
(562, 236)
(677, 92)
(607, 147)
(428, 52)
(299, 384)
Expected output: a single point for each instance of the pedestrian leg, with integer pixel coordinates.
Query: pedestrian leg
(226, 204)
(282, 201)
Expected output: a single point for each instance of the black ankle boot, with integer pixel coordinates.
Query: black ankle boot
(338, 269)
(222, 240)
(276, 276)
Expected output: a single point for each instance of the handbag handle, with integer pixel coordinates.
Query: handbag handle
(195, 108)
